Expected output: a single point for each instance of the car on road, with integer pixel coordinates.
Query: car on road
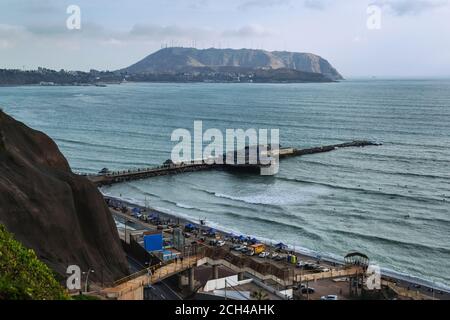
(329, 297)
(264, 254)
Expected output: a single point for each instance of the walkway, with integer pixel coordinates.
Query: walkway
(130, 288)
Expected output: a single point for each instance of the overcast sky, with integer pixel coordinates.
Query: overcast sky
(414, 39)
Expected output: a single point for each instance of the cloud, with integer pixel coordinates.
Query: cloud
(10, 35)
(315, 4)
(156, 32)
(198, 4)
(410, 7)
(90, 30)
(250, 31)
(310, 4)
(263, 3)
(36, 6)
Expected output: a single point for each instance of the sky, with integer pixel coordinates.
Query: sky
(405, 38)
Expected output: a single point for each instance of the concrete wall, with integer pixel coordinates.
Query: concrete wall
(218, 284)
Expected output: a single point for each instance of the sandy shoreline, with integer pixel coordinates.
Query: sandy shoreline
(403, 280)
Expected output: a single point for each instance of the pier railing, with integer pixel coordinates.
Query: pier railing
(207, 164)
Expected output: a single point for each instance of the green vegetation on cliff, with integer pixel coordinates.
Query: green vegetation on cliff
(22, 275)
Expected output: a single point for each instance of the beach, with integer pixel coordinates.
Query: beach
(172, 221)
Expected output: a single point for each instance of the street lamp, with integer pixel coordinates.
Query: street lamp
(126, 222)
(87, 278)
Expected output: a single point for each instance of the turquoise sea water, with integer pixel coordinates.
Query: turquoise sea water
(391, 202)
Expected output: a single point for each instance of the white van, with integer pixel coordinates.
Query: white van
(329, 297)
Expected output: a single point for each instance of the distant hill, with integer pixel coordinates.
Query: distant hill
(176, 60)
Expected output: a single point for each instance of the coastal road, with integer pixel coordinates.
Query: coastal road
(139, 225)
(162, 291)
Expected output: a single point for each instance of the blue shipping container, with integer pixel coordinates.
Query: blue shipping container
(153, 242)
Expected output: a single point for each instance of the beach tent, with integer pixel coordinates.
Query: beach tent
(189, 226)
(281, 245)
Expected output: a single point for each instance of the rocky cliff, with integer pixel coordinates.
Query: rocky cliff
(60, 215)
(186, 59)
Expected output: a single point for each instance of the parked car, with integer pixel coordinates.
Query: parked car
(323, 269)
(241, 248)
(308, 290)
(244, 250)
(220, 243)
(250, 252)
(264, 254)
(300, 264)
(329, 297)
(236, 247)
(273, 255)
(310, 266)
(279, 258)
(299, 287)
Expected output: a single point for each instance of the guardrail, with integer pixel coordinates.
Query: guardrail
(160, 271)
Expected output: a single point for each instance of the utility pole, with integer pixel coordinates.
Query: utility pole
(225, 288)
(126, 230)
(307, 290)
(87, 278)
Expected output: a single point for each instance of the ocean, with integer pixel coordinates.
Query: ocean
(391, 202)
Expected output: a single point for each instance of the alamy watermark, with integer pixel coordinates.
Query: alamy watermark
(73, 22)
(73, 281)
(235, 147)
(373, 280)
(374, 13)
